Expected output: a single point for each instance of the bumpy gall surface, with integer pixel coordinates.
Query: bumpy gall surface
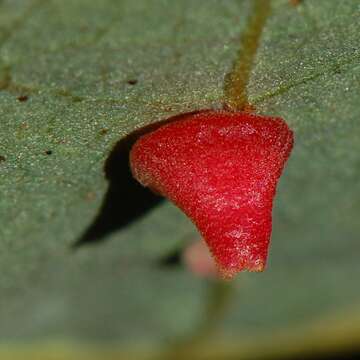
(221, 168)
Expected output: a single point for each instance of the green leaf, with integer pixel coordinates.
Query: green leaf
(73, 61)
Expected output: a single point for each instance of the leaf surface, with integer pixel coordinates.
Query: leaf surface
(74, 62)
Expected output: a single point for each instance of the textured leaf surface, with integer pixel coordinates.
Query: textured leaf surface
(74, 61)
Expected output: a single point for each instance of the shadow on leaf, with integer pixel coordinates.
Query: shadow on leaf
(125, 200)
